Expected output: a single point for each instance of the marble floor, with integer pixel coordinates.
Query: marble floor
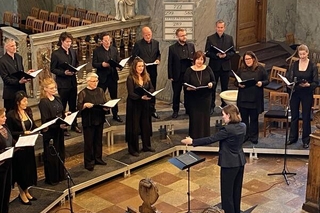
(267, 193)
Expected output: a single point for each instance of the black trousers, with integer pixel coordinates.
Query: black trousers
(231, 185)
(8, 104)
(176, 87)
(306, 103)
(153, 77)
(92, 136)
(5, 186)
(112, 87)
(69, 96)
(224, 81)
(251, 118)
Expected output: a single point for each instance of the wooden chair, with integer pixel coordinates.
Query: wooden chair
(54, 17)
(70, 10)
(290, 38)
(276, 83)
(92, 16)
(85, 22)
(65, 19)
(59, 8)
(37, 26)
(49, 26)
(7, 18)
(101, 17)
(278, 102)
(16, 20)
(292, 60)
(29, 22)
(60, 26)
(81, 13)
(35, 12)
(43, 15)
(74, 22)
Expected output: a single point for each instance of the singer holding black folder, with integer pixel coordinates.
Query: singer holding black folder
(305, 74)
(24, 171)
(66, 79)
(138, 112)
(92, 115)
(250, 100)
(107, 72)
(50, 107)
(11, 62)
(231, 157)
(6, 141)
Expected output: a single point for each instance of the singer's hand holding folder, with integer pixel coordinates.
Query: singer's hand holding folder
(25, 75)
(27, 140)
(194, 87)
(45, 125)
(248, 83)
(142, 91)
(67, 66)
(7, 154)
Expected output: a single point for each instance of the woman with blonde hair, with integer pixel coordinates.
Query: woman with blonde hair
(51, 107)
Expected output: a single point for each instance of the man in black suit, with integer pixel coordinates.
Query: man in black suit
(66, 79)
(11, 62)
(219, 62)
(179, 59)
(108, 74)
(148, 49)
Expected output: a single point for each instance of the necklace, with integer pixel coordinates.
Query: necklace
(199, 78)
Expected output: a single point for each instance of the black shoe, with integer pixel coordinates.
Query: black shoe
(291, 142)
(66, 133)
(100, 162)
(76, 129)
(305, 146)
(24, 203)
(117, 118)
(33, 199)
(136, 154)
(254, 142)
(149, 150)
(89, 168)
(174, 115)
(155, 115)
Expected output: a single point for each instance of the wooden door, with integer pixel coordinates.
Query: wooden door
(251, 22)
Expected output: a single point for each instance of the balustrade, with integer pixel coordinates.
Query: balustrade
(36, 49)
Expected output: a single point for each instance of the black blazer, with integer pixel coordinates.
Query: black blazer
(99, 56)
(177, 64)
(215, 62)
(11, 84)
(230, 139)
(59, 57)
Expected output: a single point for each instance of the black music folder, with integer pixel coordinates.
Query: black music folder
(186, 160)
(21, 74)
(248, 83)
(114, 64)
(220, 50)
(142, 91)
(67, 66)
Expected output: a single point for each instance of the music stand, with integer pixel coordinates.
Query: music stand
(288, 114)
(186, 161)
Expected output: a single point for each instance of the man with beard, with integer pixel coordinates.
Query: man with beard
(179, 59)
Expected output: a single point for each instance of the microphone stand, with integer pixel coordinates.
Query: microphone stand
(68, 177)
(284, 171)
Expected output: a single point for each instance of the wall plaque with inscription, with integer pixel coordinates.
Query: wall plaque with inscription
(178, 15)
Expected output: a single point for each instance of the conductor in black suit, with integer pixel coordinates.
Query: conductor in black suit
(231, 157)
(220, 63)
(66, 80)
(108, 74)
(11, 62)
(148, 49)
(179, 59)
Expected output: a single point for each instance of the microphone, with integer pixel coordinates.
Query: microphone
(51, 142)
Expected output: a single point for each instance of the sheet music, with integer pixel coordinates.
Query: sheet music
(45, 125)
(221, 51)
(124, 61)
(111, 103)
(194, 87)
(70, 118)
(7, 154)
(156, 92)
(27, 140)
(35, 73)
(237, 77)
(285, 80)
(80, 67)
(153, 63)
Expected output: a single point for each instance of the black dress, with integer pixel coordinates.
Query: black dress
(5, 173)
(53, 169)
(24, 170)
(92, 123)
(138, 117)
(199, 101)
